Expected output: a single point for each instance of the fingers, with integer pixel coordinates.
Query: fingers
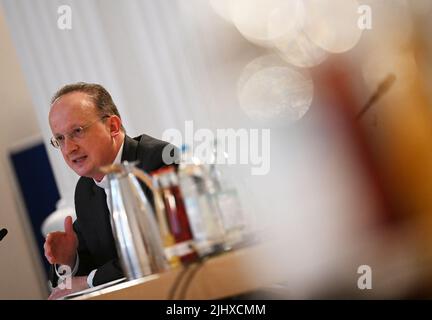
(48, 252)
(53, 295)
(68, 225)
(49, 247)
(58, 293)
(50, 257)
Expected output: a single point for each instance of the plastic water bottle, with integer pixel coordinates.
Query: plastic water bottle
(228, 201)
(201, 205)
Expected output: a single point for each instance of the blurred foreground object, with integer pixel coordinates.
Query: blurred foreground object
(362, 195)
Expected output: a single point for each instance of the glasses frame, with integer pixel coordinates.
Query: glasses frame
(72, 134)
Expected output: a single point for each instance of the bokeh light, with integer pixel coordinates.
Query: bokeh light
(253, 17)
(300, 51)
(222, 8)
(256, 65)
(333, 24)
(271, 92)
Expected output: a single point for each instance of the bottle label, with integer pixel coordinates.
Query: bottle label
(183, 248)
(170, 252)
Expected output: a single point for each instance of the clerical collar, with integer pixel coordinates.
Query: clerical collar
(104, 183)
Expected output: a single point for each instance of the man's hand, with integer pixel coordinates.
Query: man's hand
(77, 284)
(60, 247)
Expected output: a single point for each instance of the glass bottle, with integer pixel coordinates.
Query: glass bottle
(176, 217)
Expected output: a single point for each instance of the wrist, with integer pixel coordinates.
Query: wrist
(83, 282)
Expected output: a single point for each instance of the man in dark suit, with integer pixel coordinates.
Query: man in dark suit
(88, 131)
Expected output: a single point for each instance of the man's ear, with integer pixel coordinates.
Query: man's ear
(115, 125)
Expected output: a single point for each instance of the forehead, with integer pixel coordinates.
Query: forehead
(72, 109)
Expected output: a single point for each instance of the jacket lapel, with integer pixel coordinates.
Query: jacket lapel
(103, 219)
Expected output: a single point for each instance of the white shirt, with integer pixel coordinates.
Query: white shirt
(104, 184)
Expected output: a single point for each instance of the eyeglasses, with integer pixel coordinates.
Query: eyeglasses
(58, 141)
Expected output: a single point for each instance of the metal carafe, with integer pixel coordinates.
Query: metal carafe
(135, 229)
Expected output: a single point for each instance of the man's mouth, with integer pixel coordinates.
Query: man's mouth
(79, 160)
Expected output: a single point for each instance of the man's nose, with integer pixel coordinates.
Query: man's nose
(69, 145)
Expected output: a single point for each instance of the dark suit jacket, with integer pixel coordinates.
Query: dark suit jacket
(97, 248)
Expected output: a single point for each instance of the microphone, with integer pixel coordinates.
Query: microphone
(3, 233)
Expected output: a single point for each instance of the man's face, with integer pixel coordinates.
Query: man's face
(86, 154)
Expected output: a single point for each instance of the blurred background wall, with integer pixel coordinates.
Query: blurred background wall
(21, 274)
